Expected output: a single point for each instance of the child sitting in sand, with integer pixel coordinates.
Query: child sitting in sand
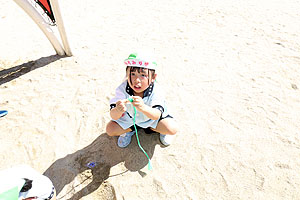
(152, 114)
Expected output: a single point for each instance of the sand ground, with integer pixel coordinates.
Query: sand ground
(231, 74)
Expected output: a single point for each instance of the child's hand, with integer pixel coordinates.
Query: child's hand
(138, 103)
(121, 105)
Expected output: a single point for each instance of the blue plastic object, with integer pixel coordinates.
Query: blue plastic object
(3, 113)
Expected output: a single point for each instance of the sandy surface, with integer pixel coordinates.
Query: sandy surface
(231, 74)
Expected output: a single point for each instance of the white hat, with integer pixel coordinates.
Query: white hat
(141, 60)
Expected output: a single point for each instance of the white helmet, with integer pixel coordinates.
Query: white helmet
(140, 60)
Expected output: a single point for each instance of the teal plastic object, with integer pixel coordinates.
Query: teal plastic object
(11, 194)
(11, 191)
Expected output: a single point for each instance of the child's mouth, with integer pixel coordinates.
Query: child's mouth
(137, 87)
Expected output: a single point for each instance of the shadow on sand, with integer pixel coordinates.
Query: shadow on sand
(106, 154)
(12, 73)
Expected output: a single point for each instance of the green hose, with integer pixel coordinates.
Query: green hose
(137, 137)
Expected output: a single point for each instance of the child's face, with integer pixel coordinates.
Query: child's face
(139, 80)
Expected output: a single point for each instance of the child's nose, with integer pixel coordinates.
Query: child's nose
(138, 79)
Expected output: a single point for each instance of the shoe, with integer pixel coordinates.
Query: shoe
(125, 139)
(166, 139)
